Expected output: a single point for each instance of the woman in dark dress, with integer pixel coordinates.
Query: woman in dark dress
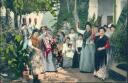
(101, 45)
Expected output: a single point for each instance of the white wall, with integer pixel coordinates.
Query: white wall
(93, 9)
(105, 8)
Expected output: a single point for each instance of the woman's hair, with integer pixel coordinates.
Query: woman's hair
(69, 44)
(101, 28)
(113, 26)
(105, 26)
(67, 38)
(45, 27)
(35, 30)
(80, 35)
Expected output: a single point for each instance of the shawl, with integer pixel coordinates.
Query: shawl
(85, 36)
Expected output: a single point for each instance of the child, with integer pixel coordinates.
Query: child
(68, 53)
(76, 57)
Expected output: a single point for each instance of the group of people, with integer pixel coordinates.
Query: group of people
(69, 48)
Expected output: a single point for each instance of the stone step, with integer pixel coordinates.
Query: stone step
(119, 71)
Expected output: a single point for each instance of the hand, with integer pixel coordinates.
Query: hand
(101, 48)
(91, 42)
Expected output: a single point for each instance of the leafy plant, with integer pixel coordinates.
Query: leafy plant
(12, 53)
(120, 38)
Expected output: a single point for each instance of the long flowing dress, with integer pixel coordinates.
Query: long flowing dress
(87, 53)
(101, 56)
(36, 61)
(87, 57)
(48, 57)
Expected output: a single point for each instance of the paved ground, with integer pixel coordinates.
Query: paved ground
(70, 75)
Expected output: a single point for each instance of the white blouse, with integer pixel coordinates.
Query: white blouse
(79, 43)
(67, 52)
(72, 37)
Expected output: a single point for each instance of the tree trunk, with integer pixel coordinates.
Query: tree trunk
(82, 9)
(15, 20)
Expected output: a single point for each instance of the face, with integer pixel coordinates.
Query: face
(67, 40)
(70, 46)
(80, 37)
(108, 29)
(105, 28)
(47, 38)
(65, 21)
(88, 28)
(72, 31)
(36, 34)
(95, 29)
(101, 32)
(112, 29)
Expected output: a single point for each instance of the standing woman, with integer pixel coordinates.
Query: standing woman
(101, 44)
(48, 57)
(37, 66)
(87, 52)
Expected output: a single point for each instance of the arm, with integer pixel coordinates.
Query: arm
(31, 46)
(107, 45)
(76, 46)
(64, 49)
(78, 30)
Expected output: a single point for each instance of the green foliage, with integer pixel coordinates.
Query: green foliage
(27, 6)
(120, 39)
(12, 53)
(65, 14)
(82, 9)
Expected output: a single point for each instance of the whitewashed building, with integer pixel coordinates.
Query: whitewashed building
(104, 9)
